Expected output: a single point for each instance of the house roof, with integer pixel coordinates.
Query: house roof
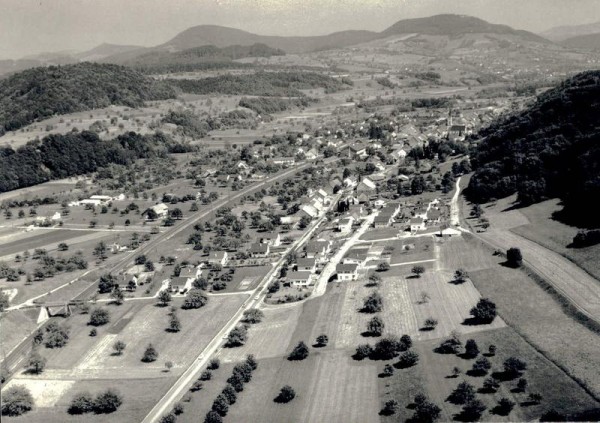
(259, 248)
(316, 246)
(179, 280)
(416, 220)
(305, 262)
(368, 183)
(218, 255)
(296, 276)
(346, 268)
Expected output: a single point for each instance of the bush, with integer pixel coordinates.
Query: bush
(194, 299)
(220, 405)
(481, 366)
(214, 364)
(418, 271)
(383, 267)
(300, 352)
(253, 315)
(81, 403)
(513, 366)
(373, 303)
(390, 407)
(286, 394)
(462, 394)
(150, 354)
(107, 402)
(514, 257)
(408, 359)
(504, 407)
(206, 375)
(237, 337)
(322, 340)
(473, 409)
(363, 351)
(450, 346)
(99, 317)
(229, 394)
(16, 401)
(213, 417)
(586, 238)
(471, 349)
(387, 348)
(375, 326)
(484, 312)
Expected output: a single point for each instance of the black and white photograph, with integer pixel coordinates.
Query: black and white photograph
(299, 211)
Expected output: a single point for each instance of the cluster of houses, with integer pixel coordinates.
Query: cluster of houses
(98, 200)
(315, 253)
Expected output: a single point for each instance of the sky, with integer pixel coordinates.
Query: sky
(34, 26)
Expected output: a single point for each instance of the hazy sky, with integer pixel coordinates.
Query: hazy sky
(33, 26)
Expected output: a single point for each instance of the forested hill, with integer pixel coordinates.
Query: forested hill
(39, 93)
(76, 153)
(278, 84)
(550, 150)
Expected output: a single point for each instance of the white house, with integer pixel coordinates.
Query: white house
(259, 250)
(347, 272)
(306, 264)
(345, 224)
(417, 224)
(178, 284)
(284, 161)
(160, 209)
(273, 239)
(366, 186)
(218, 257)
(299, 279)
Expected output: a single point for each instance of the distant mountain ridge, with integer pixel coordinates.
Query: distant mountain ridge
(220, 36)
(584, 42)
(562, 33)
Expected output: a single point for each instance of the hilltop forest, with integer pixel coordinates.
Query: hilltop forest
(550, 150)
(39, 93)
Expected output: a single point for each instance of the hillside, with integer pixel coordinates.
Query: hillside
(269, 84)
(550, 150)
(205, 57)
(584, 42)
(454, 25)
(42, 92)
(561, 33)
(104, 50)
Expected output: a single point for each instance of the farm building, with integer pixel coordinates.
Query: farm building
(179, 284)
(284, 161)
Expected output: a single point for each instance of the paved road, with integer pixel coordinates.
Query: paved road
(258, 295)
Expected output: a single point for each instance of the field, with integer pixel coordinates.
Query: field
(433, 376)
(557, 236)
(537, 316)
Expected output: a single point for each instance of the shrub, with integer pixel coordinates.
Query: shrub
(237, 337)
(253, 315)
(484, 312)
(300, 352)
(194, 299)
(514, 257)
(462, 394)
(81, 403)
(513, 366)
(286, 394)
(408, 359)
(322, 340)
(16, 400)
(363, 351)
(107, 401)
(373, 303)
(390, 407)
(150, 354)
(214, 364)
(99, 317)
(375, 326)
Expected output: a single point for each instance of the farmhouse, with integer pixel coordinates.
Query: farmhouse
(271, 238)
(259, 250)
(160, 209)
(356, 256)
(299, 279)
(218, 257)
(433, 216)
(128, 282)
(306, 264)
(287, 161)
(345, 225)
(190, 272)
(366, 186)
(178, 284)
(317, 249)
(347, 272)
(417, 224)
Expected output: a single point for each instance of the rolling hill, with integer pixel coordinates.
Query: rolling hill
(219, 36)
(45, 91)
(550, 150)
(584, 42)
(561, 33)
